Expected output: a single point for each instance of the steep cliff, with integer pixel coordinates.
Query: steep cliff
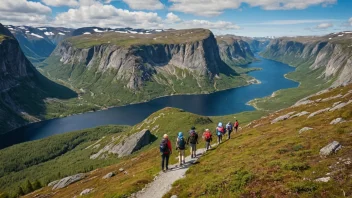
(22, 88)
(114, 68)
(234, 50)
(332, 54)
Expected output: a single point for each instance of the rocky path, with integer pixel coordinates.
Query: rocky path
(162, 184)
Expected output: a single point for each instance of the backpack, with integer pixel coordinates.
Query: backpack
(163, 146)
(193, 137)
(220, 130)
(181, 144)
(229, 127)
(207, 136)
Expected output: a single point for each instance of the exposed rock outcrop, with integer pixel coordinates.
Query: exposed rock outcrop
(234, 50)
(86, 191)
(337, 120)
(109, 175)
(333, 147)
(281, 118)
(67, 181)
(304, 129)
(318, 112)
(126, 146)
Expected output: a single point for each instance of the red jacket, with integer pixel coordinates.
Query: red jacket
(169, 146)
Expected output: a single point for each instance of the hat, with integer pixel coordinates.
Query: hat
(180, 134)
(193, 128)
(166, 136)
(220, 124)
(207, 130)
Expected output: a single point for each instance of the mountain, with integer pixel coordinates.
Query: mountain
(119, 68)
(38, 43)
(234, 50)
(94, 30)
(331, 54)
(23, 89)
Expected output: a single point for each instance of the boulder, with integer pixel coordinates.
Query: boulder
(109, 175)
(341, 105)
(53, 183)
(304, 129)
(281, 118)
(336, 103)
(174, 196)
(126, 146)
(331, 98)
(86, 191)
(337, 120)
(303, 102)
(323, 179)
(68, 180)
(333, 147)
(300, 114)
(318, 112)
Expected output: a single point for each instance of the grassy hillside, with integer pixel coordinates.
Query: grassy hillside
(274, 160)
(263, 160)
(52, 158)
(127, 40)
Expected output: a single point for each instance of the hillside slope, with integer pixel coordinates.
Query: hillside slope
(271, 156)
(110, 69)
(22, 89)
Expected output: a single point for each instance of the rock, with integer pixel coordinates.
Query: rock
(318, 112)
(341, 105)
(109, 175)
(174, 196)
(68, 180)
(331, 98)
(281, 118)
(53, 183)
(86, 191)
(337, 120)
(126, 146)
(303, 102)
(121, 169)
(333, 147)
(336, 103)
(304, 129)
(323, 179)
(300, 114)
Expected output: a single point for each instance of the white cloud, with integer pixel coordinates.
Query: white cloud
(294, 22)
(172, 18)
(218, 25)
(216, 7)
(21, 12)
(97, 14)
(324, 25)
(58, 3)
(144, 4)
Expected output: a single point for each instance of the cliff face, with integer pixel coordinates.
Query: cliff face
(235, 51)
(22, 88)
(135, 65)
(331, 53)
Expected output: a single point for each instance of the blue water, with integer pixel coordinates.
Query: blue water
(220, 103)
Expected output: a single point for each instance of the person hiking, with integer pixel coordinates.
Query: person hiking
(229, 130)
(193, 141)
(166, 151)
(236, 125)
(181, 146)
(219, 132)
(208, 138)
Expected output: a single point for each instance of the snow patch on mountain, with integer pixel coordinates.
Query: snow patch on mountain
(49, 33)
(36, 35)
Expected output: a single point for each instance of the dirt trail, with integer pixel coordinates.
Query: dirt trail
(162, 184)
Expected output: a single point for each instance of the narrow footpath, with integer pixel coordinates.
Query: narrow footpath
(163, 182)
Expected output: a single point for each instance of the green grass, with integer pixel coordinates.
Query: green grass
(52, 158)
(127, 40)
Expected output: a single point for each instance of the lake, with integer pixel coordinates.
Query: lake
(220, 103)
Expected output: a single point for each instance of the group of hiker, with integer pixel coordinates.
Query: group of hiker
(192, 141)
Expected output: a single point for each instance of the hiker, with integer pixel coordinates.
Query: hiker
(208, 138)
(220, 132)
(193, 141)
(181, 146)
(236, 125)
(229, 130)
(166, 151)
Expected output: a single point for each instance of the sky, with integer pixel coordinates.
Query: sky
(255, 18)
